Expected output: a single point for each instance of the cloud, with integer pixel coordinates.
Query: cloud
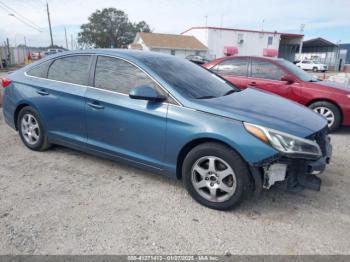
(176, 16)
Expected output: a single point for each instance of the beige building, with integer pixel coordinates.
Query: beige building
(178, 45)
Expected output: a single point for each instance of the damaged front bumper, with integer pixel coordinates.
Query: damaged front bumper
(295, 174)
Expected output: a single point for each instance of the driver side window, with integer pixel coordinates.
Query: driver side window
(120, 76)
(266, 70)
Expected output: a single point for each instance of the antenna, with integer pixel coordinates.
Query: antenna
(262, 25)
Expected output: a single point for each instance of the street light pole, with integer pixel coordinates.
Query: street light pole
(48, 17)
(302, 26)
(65, 34)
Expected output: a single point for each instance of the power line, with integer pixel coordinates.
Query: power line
(33, 5)
(20, 17)
(41, 2)
(24, 22)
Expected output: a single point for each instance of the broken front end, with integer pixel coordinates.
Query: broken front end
(298, 163)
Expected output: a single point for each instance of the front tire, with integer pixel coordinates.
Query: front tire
(330, 112)
(31, 130)
(216, 176)
(315, 69)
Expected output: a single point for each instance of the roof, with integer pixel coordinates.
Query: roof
(130, 54)
(318, 42)
(345, 45)
(248, 56)
(241, 30)
(155, 40)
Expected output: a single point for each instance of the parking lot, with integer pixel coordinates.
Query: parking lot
(67, 202)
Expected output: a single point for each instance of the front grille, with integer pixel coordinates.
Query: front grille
(321, 138)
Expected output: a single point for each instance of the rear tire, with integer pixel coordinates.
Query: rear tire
(315, 69)
(330, 112)
(31, 130)
(216, 176)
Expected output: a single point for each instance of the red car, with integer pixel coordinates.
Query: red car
(279, 76)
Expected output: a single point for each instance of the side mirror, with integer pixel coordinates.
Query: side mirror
(288, 78)
(146, 93)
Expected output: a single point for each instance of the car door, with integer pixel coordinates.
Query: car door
(306, 65)
(235, 70)
(60, 86)
(121, 126)
(268, 76)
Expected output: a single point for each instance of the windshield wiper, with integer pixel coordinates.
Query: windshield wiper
(206, 97)
(229, 92)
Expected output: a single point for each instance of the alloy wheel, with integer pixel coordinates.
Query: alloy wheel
(327, 113)
(213, 179)
(30, 129)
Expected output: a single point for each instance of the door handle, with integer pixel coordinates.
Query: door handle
(252, 83)
(42, 92)
(95, 106)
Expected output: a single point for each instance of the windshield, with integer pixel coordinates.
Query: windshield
(190, 80)
(298, 72)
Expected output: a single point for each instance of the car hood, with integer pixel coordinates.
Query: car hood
(339, 86)
(265, 109)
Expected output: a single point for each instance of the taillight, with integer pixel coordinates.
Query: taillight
(5, 82)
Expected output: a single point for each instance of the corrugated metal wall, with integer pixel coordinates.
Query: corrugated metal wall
(17, 54)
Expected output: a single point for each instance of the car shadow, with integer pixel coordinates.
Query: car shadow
(342, 130)
(113, 164)
(273, 203)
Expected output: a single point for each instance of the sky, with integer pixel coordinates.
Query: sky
(329, 19)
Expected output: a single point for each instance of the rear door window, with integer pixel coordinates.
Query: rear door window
(40, 70)
(120, 76)
(71, 69)
(233, 67)
(266, 70)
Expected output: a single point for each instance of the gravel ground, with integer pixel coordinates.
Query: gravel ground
(67, 202)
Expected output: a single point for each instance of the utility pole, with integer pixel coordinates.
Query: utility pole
(71, 41)
(8, 51)
(26, 49)
(338, 65)
(65, 34)
(48, 17)
(302, 26)
(206, 29)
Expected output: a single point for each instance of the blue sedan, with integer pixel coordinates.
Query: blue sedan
(169, 116)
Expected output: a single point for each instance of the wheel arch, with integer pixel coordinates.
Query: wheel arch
(329, 101)
(17, 110)
(192, 144)
(20, 106)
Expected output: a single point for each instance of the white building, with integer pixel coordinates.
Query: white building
(178, 45)
(248, 42)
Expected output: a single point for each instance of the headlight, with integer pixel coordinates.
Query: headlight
(285, 143)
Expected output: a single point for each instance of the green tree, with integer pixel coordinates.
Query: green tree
(110, 27)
